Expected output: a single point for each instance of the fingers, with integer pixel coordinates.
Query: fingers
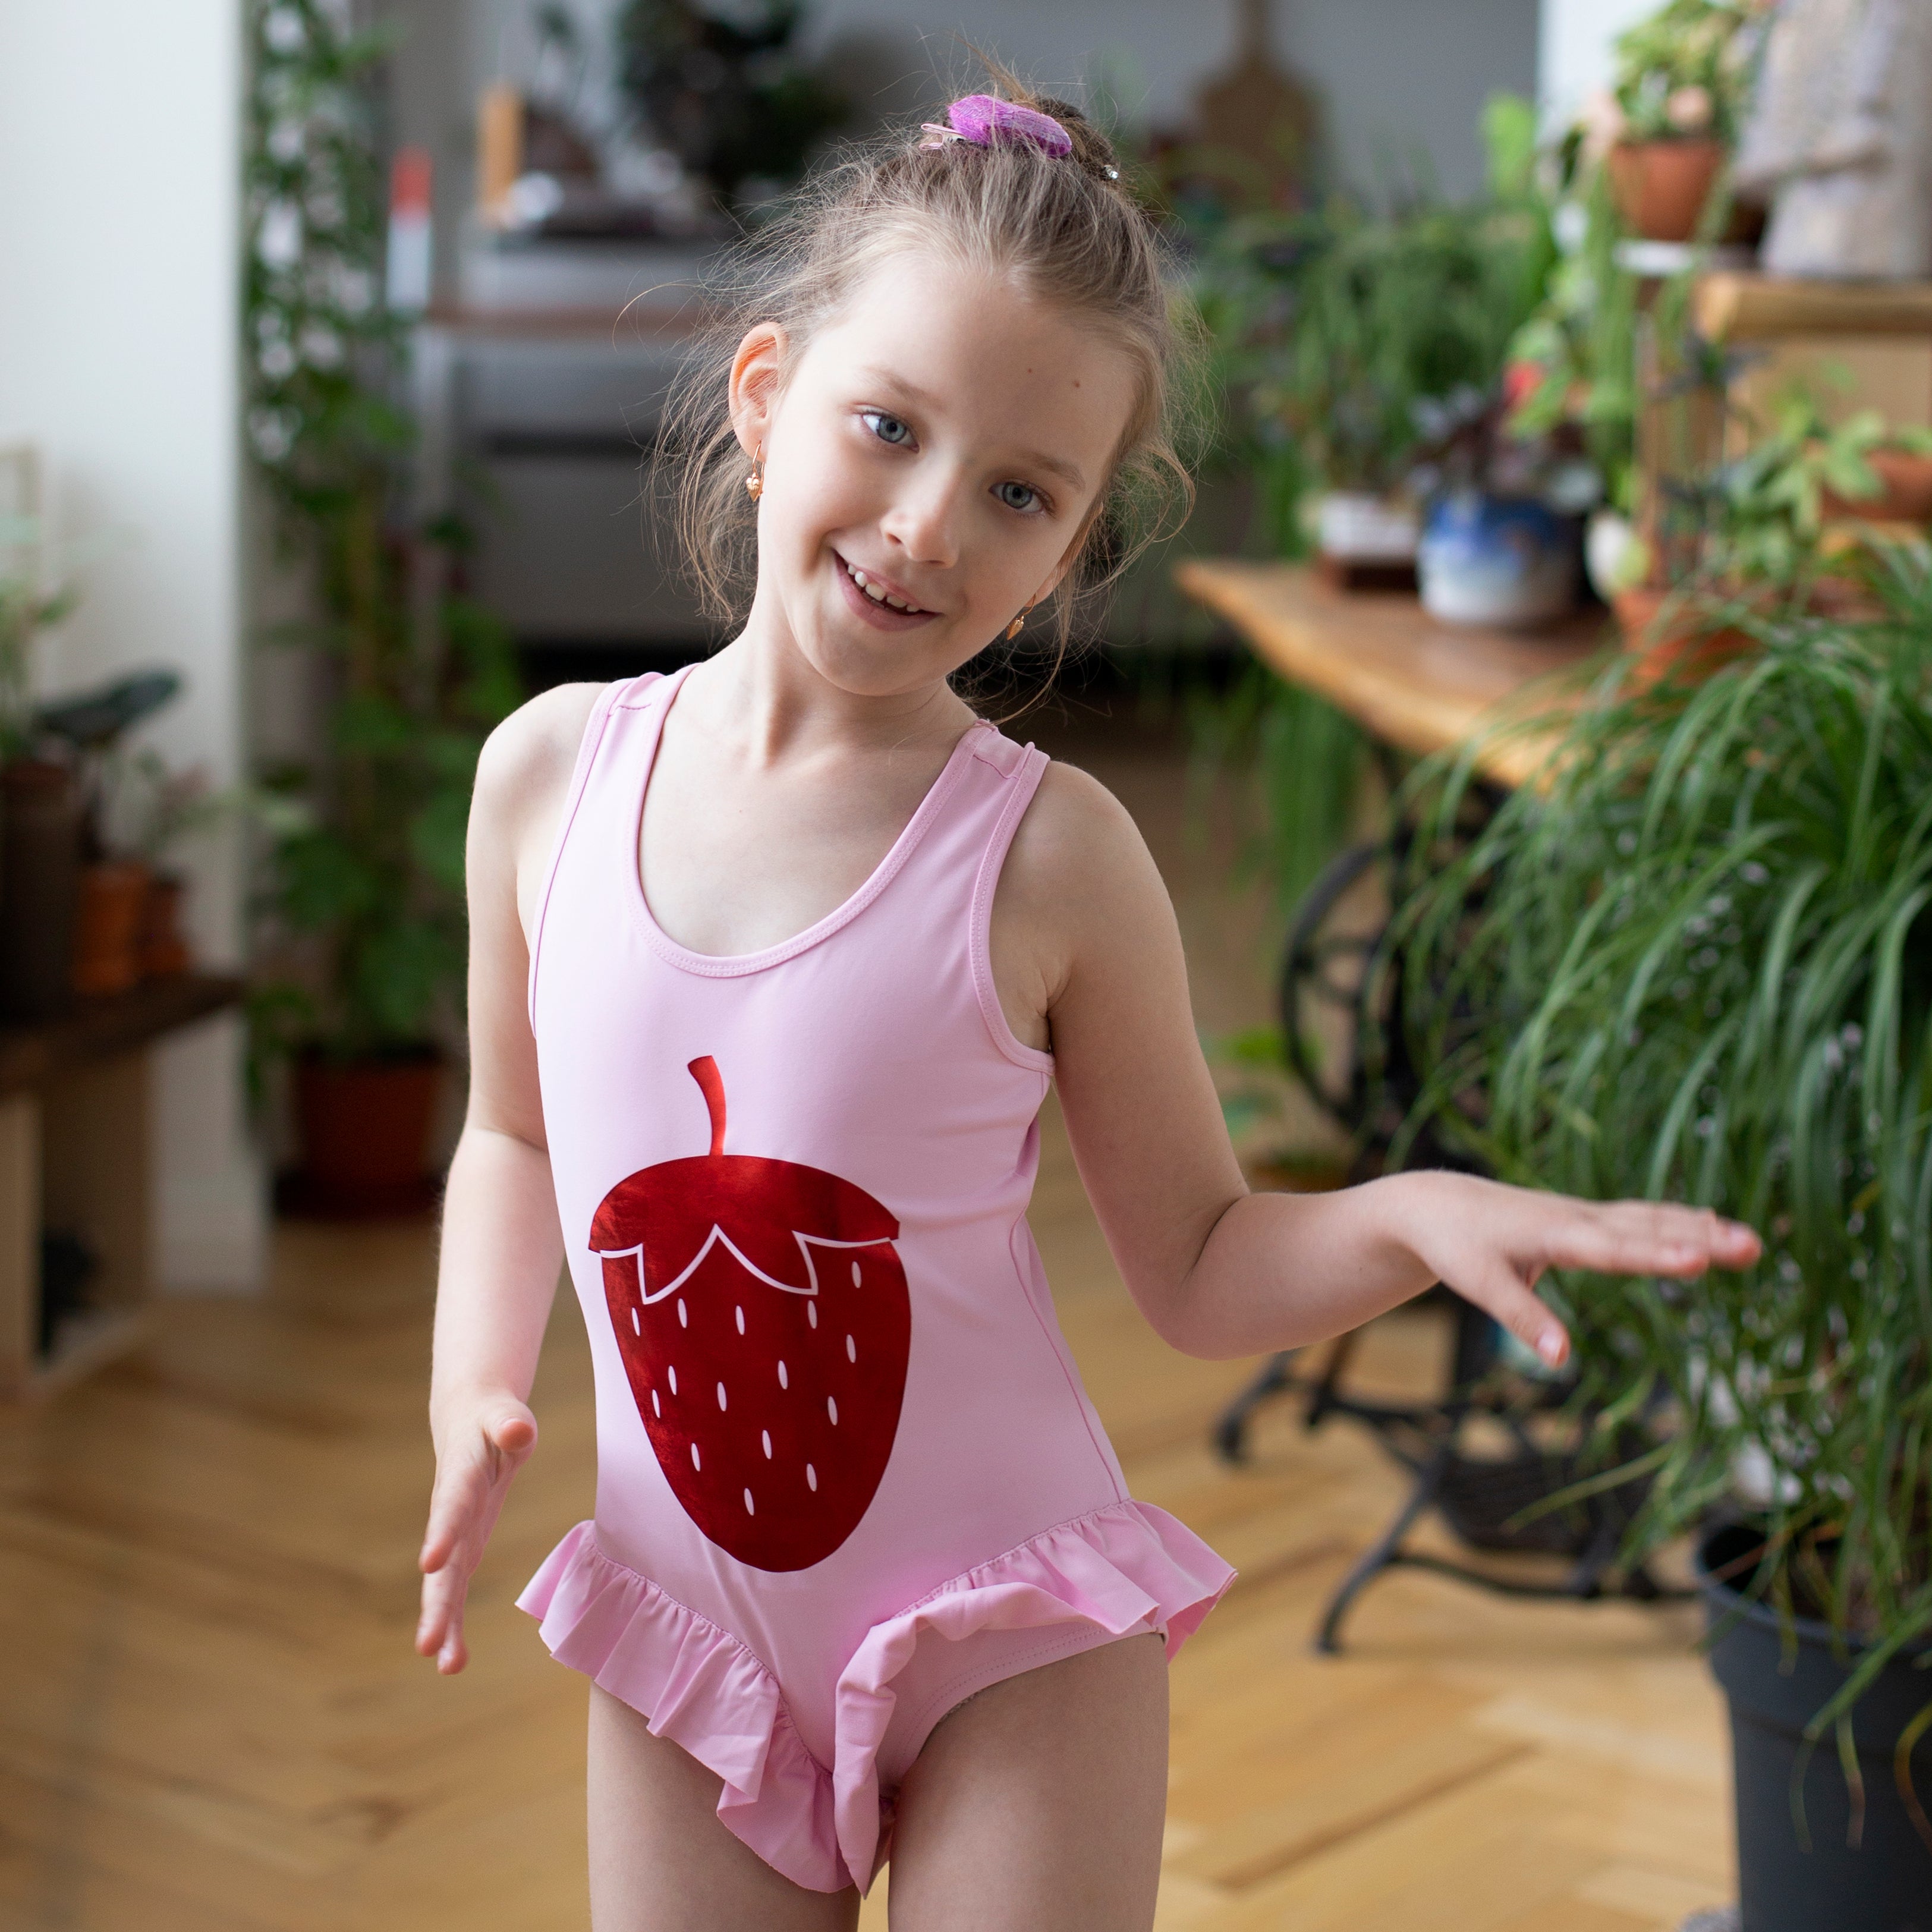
(1647, 1237)
(456, 1503)
(470, 1481)
(1499, 1291)
(440, 1627)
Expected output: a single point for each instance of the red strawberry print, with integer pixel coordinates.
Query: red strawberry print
(762, 1318)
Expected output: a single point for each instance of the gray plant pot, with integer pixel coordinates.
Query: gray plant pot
(1827, 1876)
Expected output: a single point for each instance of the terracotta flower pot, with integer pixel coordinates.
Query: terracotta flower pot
(163, 950)
(1661, 187)
(41, 813)
(365, 1127)
(1905, 498)
(1671, 635)
(107, 927)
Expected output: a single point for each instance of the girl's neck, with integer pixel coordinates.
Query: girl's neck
(766, 698)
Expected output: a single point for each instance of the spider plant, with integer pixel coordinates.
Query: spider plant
(1695, 963)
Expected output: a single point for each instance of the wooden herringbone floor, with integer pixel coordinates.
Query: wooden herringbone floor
(211, 1721)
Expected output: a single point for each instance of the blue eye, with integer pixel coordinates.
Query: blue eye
(887, 429)
(1017, 496)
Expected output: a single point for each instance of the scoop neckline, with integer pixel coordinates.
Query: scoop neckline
(731, 965)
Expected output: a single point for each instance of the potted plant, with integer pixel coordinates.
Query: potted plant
(362, 902)
(1572, 366)
(1332, 326)
(41, 809)
(1500, 544)
(1788, 521)
(725, 90)
(1694, 962)
(1666, 126)
(149, 810)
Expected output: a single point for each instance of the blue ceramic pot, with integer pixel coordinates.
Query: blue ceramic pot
(1496, 560)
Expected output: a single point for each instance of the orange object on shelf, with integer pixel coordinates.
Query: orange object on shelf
(107, 928)
(499, 149)
(163, 950)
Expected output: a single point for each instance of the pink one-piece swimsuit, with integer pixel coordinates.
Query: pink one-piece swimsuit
(846, 1472)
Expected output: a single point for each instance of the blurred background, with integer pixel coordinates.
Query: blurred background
(468, 240)
(1546, 340)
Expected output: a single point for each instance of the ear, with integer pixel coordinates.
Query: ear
(756, 376)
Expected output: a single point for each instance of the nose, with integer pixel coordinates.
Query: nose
(922, 519)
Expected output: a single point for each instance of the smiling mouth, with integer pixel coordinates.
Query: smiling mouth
(879, 594)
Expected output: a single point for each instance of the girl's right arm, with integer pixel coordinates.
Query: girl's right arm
(502, 1246)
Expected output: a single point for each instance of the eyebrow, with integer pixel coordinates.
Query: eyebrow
(1071, 474)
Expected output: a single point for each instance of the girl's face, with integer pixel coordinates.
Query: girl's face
(930, 461)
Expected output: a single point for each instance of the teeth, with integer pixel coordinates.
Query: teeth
(873, 591)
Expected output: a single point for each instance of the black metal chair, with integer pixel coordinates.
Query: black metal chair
(1496, 1505)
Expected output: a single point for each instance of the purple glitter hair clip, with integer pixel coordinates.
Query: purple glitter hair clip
(983, 120)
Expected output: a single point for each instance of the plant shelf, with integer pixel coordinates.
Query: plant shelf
(74, 1134)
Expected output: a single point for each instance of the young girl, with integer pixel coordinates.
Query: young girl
(773, 964)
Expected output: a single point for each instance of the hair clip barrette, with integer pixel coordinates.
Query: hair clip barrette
(983, 119)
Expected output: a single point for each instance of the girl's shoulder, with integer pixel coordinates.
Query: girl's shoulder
(1078, 869)
(534, 750)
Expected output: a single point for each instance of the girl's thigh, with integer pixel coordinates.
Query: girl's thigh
(660, 1860)
(1037, 1806)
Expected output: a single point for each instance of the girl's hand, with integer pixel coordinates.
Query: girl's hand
(1492, 1244)
(477, 1454)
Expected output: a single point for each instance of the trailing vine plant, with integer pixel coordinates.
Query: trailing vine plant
(363, 894)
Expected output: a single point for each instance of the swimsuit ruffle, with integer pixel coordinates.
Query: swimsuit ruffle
(1127, 1566)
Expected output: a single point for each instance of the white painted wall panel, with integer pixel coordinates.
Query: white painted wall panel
(120, 137)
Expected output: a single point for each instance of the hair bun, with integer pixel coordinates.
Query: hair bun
(1091, 149)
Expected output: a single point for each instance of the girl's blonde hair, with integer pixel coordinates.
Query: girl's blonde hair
(1063, 230)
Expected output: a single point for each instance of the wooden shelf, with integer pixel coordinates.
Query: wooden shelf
(1417, 684)
(95, 1029)
(1735, 306)
(74, 1155)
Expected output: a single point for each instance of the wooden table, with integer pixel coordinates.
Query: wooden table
(1418, 684)
(74, 1129)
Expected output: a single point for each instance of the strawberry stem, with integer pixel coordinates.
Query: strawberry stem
(711, 1085)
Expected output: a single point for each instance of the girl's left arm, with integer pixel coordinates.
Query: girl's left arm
(1219, 1270)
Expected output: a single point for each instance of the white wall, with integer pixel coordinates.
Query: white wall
(120, 136)
(1573, 49)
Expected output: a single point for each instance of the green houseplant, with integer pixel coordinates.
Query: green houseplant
(1786, 523)
(725, 88)
(1338, 335)
(1695, 963)
(1670, 117)
(1331, 325)
(362, 904)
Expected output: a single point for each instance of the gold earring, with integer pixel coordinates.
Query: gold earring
(1019, 624)
(754, 481)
